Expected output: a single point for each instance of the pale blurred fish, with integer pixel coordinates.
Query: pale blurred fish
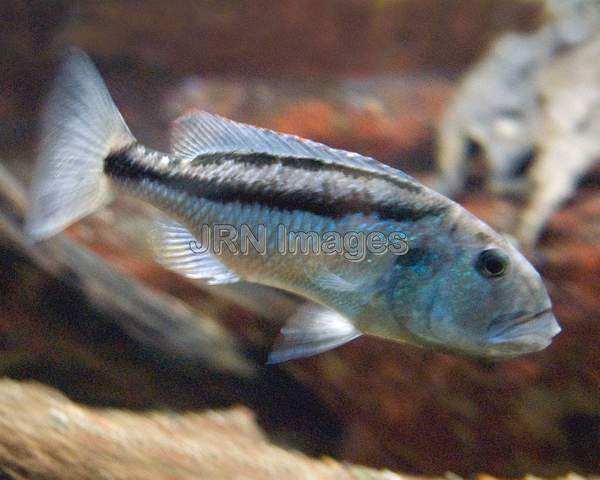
(458, 286)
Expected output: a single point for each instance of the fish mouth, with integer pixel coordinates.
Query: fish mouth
(522, 332)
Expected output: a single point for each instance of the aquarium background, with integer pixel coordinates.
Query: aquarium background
(372, 76)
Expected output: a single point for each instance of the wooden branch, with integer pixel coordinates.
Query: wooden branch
(45, 436)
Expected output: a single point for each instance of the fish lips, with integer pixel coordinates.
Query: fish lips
(522, 332)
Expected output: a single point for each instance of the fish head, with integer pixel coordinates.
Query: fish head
(477, 295)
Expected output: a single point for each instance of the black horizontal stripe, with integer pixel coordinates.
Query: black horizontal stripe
(308, 164)
(125, 167)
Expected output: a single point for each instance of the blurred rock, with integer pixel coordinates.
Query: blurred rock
(530, 96)
(568, 131)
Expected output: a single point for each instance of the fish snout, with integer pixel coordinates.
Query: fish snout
(522, 332)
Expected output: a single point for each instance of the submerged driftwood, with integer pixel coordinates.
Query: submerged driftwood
(49, 437)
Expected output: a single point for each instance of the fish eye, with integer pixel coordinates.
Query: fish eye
(492, 263)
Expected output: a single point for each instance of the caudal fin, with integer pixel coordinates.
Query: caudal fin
(80, 127)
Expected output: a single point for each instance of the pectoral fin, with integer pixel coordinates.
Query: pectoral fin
(177, 249)
(312, 330)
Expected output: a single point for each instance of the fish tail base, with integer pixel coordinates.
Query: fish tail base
(80, 128)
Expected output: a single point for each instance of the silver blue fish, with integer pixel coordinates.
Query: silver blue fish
(374, 250)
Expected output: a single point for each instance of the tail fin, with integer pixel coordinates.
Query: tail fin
(81, 126)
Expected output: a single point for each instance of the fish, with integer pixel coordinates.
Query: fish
(372, 250)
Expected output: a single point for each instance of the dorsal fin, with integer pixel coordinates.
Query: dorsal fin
(178, 250)
(202, 133)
